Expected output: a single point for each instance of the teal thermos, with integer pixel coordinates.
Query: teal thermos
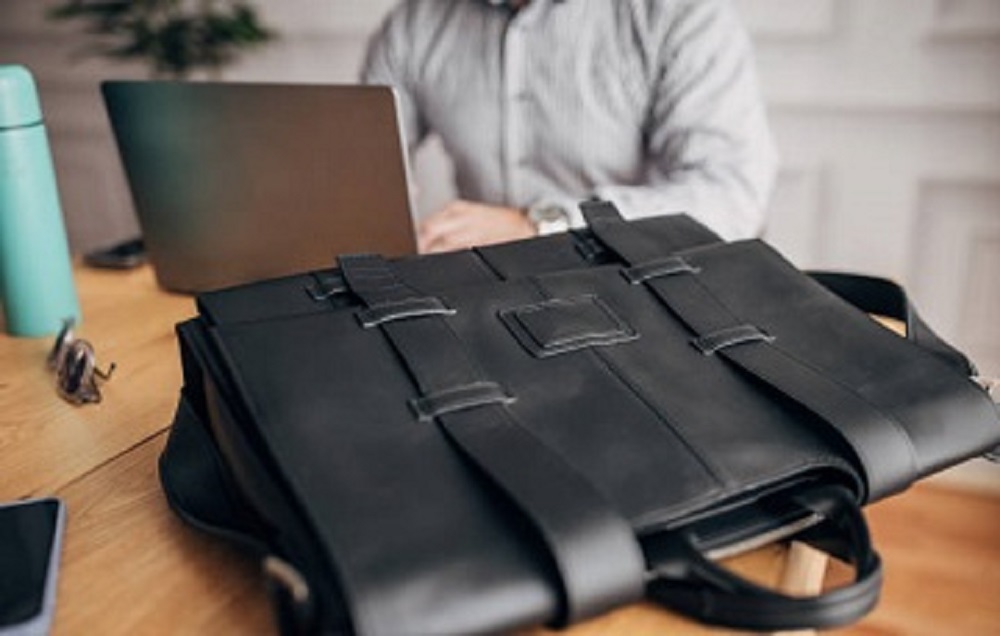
(36, 275)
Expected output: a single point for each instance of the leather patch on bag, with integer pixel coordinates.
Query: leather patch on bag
(562, 325)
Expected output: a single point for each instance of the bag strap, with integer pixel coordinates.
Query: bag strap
(200, 490)
(574, 521)
(880, 443)
(883, 297)
(681, 231)
(198, 487)
(688, 582)
(870, 294)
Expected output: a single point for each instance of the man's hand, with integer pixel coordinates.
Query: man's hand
(464, 224)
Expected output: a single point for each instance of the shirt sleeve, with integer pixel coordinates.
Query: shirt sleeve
(709, 146)
(385, 65)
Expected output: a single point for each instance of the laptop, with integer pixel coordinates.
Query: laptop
(238, 182)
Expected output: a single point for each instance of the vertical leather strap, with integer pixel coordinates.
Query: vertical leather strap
(595, 551)
(869, 432)
(607, 224)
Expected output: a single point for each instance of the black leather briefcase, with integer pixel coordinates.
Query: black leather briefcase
(537, 432)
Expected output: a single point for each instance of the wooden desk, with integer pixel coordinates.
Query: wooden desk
(129, 565)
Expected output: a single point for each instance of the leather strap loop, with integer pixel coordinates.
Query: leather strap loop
(711, 343)
(470, 396)
(670, 266)
(402, 309)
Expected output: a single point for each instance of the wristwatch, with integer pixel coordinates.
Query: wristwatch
(548, 219)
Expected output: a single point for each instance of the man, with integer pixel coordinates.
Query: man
(651, 104)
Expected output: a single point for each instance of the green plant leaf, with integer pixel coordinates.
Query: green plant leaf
(174, 37)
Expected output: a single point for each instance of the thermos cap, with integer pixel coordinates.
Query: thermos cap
(18, 97)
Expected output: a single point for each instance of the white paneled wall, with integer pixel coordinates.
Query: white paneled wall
(888, 117)
(887, 114)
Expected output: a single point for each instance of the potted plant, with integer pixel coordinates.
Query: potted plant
(174, 37)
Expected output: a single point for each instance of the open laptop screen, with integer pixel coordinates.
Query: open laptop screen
(237, 182)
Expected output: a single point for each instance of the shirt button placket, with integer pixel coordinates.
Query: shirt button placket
(513, 88)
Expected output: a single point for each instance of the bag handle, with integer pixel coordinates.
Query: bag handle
(883, 297)
(687, 581)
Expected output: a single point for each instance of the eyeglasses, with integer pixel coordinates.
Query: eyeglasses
(75, 365)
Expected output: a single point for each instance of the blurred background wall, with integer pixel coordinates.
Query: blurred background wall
(887, 115)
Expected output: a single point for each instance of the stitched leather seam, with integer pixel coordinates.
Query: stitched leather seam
(605, 362)
(487, 265)
(663, 415)
(616, 330)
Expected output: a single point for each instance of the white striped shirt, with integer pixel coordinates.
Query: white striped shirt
(652, 104)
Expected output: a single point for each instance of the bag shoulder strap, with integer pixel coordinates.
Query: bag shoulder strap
(199, 488)
(197, 484)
